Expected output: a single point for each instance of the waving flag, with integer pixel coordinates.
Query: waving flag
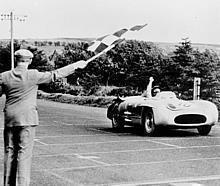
(102, 43)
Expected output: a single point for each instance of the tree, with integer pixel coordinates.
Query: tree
(40, 60)
(5, 56)
(207, 66)
(187, 63)
(136, 62)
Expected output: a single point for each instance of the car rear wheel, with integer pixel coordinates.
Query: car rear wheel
(204, 130)
(147, 122)
(117, 122)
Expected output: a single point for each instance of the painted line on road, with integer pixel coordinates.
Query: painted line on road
(103, 142)
(127, 141)
(72, 135)
(63, 123)
(38, 140)
(186, 138)
(75, 124)
(112, 134)
(123, 151)
(72, 182)
(92, 158)
(149, 149)
(167, 144)
(121, 134)
(106, 152)
(129, 164)
(43, 118)
(186, 184)
(126, 151)
(174, 180)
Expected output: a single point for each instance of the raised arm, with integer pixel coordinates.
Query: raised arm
(47, 77)
(147, 93)
(69, 69)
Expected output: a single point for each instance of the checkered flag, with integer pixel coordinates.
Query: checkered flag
(109, 41)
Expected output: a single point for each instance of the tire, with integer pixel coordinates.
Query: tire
(147, 122)
(117, 122)
(204, 130)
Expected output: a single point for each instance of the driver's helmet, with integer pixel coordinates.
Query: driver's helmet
(155, 90)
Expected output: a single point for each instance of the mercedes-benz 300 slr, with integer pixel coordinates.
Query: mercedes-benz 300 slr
(165, 109)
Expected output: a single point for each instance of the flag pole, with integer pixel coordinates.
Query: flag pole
(104, 51)
(99, 54)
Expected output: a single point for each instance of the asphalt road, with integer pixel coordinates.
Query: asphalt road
(75, 146)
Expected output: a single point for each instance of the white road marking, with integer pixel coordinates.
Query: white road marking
(72, 135)
(126, 141)
(174, 181)
(167, 144)
(63, 123)
(106, 152)
(120, 141)
(38, 140)
(75, 124)
(116, 134)
(92, 158)
(131, 164)
(52, 125)
(186, 138)
(186, 184)
(123, 133)
(62, 178)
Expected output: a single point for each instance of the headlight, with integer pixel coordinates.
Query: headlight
(178, 106)
(171, 106)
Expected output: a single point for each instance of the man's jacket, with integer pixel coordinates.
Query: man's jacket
(20, 88)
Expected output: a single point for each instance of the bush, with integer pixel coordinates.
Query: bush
(62, 87)
(115, 91)
(96, 101)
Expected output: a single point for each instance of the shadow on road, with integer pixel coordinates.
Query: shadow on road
(161, 132)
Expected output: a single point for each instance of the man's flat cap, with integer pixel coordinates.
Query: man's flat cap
(23, 53)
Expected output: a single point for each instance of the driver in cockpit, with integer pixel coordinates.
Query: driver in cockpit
(151, 92)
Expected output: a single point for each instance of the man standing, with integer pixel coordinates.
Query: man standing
(21, 118)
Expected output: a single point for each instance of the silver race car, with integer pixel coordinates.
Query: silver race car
(165, 109)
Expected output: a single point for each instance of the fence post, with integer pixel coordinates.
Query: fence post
(196, 88)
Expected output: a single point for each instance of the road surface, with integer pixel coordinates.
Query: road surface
(75, 146)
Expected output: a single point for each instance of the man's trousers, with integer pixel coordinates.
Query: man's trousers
(18, 142)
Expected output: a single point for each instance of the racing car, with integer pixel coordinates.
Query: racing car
(164, 109)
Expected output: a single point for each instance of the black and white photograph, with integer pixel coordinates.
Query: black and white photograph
(110, 93)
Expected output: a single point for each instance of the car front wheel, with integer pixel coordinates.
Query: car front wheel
(204, 130)
(147, 122)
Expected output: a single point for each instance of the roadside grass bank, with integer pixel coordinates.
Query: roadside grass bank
(94, 101)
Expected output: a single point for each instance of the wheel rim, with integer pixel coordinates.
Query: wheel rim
(149, 122)
(114, 122)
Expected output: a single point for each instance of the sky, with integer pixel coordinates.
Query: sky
(168, 20)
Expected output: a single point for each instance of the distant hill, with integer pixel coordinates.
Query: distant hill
(166, 47)
(69, 40)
